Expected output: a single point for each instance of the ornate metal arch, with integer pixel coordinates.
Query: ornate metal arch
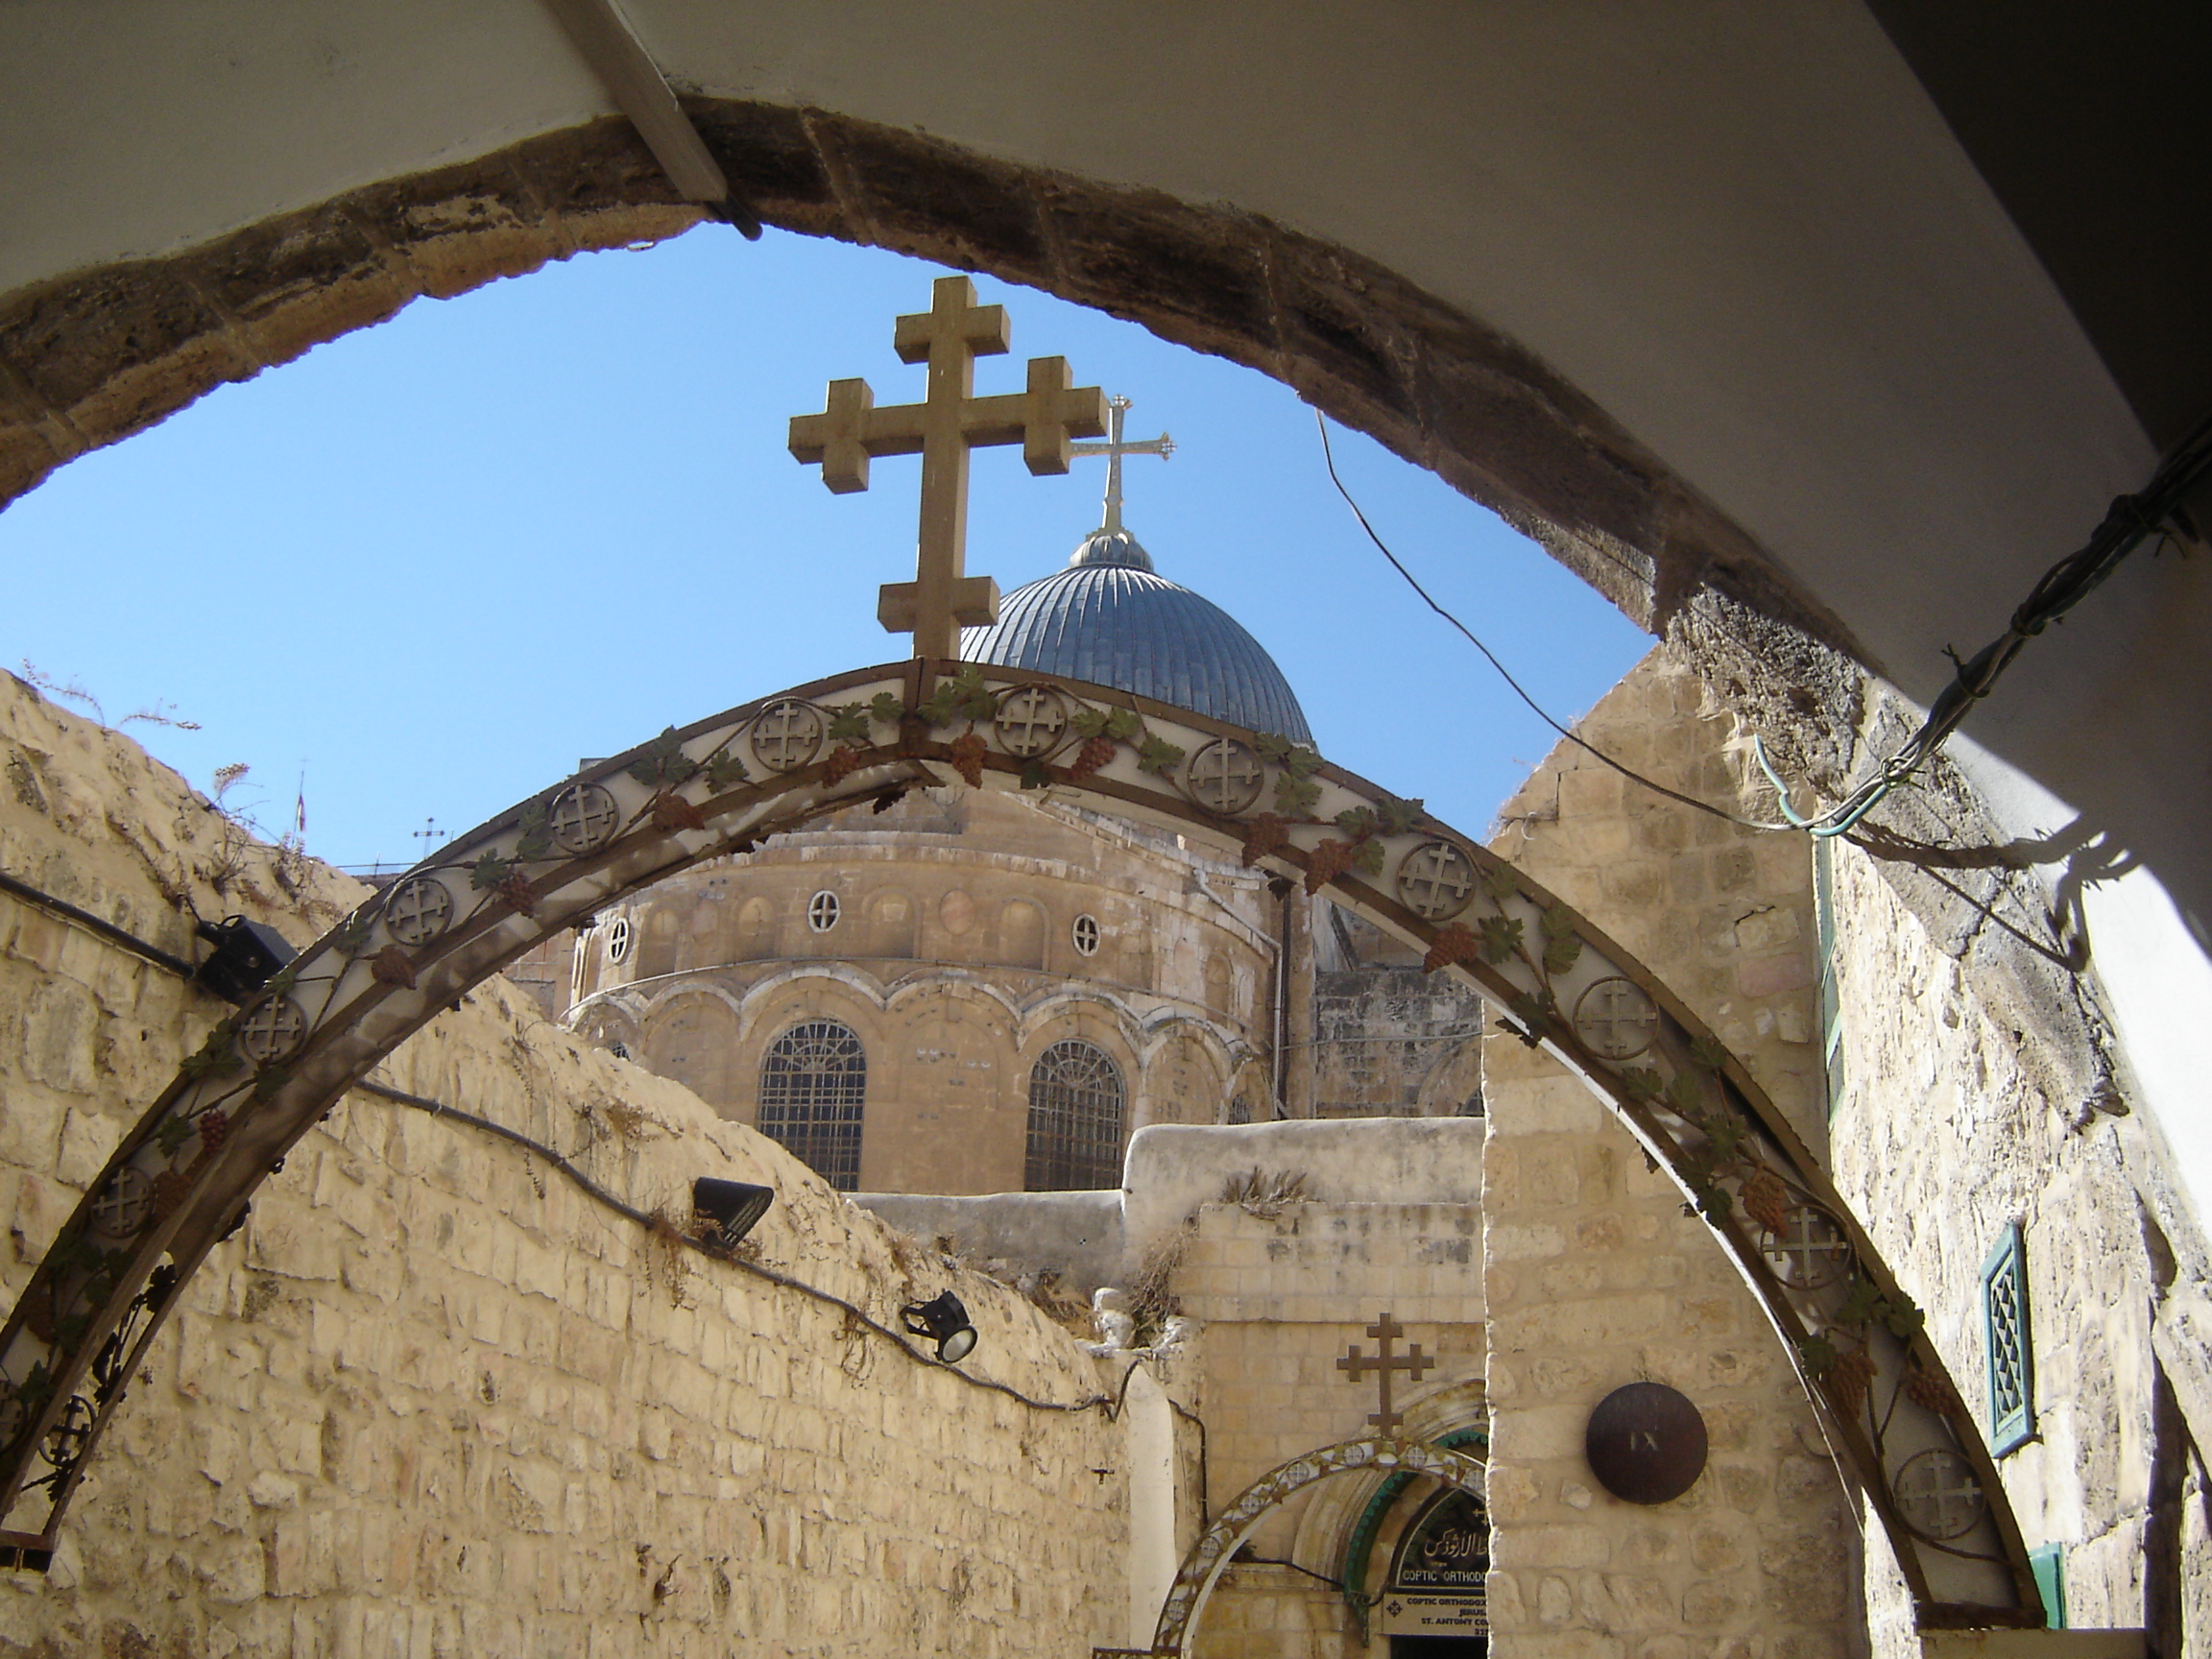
(178, 1180)
(1202, 1568)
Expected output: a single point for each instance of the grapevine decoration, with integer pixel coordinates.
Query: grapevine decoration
(178, 1182)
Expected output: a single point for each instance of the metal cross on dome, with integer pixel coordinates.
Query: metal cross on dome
(1114, 448)
(950, 421)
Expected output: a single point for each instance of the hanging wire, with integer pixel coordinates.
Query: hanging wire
(2157, 511)
(1329, 458)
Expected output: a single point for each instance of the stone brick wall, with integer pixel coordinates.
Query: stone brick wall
(432, 1399)
(1945, 1132)
(1283, 1297)
(1595, 1278)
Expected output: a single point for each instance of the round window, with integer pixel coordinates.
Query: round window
(1087, 935)
(618, 939)
(822, 912)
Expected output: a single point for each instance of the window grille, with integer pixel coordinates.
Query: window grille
(822, 912)
(814, 1084)
(1087, 935)
(2007, 1345)
(1075, 1120)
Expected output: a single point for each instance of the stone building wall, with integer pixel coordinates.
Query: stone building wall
(1946, 1132)
(956, 961)
(1594, 1276)
(1282, 1297)
(1389, 1041)
(432, 1399)
(1596, 1279)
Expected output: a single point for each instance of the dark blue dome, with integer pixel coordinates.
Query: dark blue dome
(1108, 618)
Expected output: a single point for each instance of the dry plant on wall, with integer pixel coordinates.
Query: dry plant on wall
(668, 1256)
(1266, 1193)
(1152, 1299)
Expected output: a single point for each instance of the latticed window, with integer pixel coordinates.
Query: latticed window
(2007, 1344)
(1075, 1119)
(814, 1084)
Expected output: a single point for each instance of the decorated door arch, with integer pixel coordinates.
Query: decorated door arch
(178, 1179)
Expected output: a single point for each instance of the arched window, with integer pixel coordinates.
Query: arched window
(813, 1083)
(1075, 1120)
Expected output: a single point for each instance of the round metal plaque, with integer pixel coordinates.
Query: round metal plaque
(1645, 1443)
(1435, 880)
(1225, 777)
(1811, 1252)
(418, 909)
(582, 819)
(1029, 721)
(124, 1204)
(272, 1032)
(1938, 1495)
(788, 735)
(1616, 1019)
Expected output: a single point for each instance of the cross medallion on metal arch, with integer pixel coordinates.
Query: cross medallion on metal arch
(582, 820)
(1811, 1250)
(1436, 879)
(1226, 776)
(417, 910)
(1029, 721)
(1937, 1494)
(1616, 1019)
(788, 735)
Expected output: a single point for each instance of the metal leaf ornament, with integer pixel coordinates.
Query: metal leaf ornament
(664, 764)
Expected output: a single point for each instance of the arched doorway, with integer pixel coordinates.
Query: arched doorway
(724, 783)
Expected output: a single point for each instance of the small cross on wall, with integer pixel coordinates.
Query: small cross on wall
(1414, 1362)
(951, 421)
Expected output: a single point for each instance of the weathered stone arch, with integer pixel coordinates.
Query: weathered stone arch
(105, 1286)
(101, 354)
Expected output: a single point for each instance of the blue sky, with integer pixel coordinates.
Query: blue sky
(439, 560)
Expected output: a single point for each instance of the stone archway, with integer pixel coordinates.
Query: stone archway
(177, 1180)
(1202, 1568)
(91, 357)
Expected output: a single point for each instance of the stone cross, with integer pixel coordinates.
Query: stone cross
(1114, 448)
(950, 421)
(1414, 1362)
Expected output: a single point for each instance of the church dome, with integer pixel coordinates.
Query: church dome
(1110, 619)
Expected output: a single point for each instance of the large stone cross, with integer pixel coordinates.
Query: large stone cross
(950, 421)
(1414, 1362)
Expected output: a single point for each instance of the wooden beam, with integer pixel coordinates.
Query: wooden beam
(627, 70)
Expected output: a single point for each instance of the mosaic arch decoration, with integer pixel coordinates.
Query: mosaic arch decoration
(181, 1177)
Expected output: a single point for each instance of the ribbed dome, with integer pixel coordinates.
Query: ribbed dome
(1108, 618)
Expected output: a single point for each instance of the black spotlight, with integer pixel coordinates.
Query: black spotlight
(245, 954)
(945, 1322)
(736, 1207)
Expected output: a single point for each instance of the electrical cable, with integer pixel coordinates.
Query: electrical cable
(2129, 522)
(1110, 1404)
(106, 930)
(1329, 459)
